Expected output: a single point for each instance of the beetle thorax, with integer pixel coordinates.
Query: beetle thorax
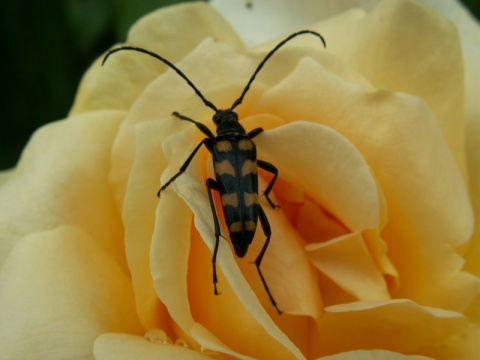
(227, 123)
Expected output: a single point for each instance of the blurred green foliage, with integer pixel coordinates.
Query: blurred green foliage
(46, 46)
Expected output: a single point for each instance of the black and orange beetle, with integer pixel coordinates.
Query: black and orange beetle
(235, 163)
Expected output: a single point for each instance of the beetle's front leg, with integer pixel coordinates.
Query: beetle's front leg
(207, 142)
(254, 132)
(199, 125)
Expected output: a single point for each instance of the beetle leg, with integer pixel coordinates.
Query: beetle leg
(268, 232)
(271, 169)
(199, 125)
(207, 142)
(212, 185)
(254, 132)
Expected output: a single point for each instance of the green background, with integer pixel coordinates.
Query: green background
(45, 48)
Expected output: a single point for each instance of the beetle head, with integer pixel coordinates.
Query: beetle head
(222, 116)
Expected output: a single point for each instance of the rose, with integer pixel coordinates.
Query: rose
(372, 248)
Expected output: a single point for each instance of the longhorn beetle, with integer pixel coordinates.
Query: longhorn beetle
(235, 163)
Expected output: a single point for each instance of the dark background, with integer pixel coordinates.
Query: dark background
(46, 46)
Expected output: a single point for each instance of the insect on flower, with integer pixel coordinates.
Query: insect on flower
(235, 164)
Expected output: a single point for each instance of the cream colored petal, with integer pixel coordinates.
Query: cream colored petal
(217, 313)
(119, 82)
(313, 222)
(210, 341)
(332, 172)
(347, 262)
(428, 205)
(236, 279)
(59, 290)
(329, 169)
(170, 245)
(473, 139)
(169, 257)
(398, 325)
(4, 176)
(198, 20)
(473, 311)
(62, 179)
(123, 346)
(139, 216)
(469, 30)
(286, 268)
(385, 46)
(372, 355)
(463, 345)
(258, 21)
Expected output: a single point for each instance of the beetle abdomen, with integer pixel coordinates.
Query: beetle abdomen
(235, 164)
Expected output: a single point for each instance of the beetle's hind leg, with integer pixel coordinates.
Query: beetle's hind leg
(268, 232)
(212, 185)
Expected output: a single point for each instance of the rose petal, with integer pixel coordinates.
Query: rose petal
(217, 313)
(401, 142)
(372, 355)
(123, 346)
(336, 177)
(113, 86)
(255, 23)
(397, 325)
(468, 28)
(177, 20)
(462, 345)
(59, 290)
(348, 263)
(5, 175)
(285, 266)
(394, 57)
(313, 222)
(139, 216)
(61, 177)
(328, 168)
(169, 257)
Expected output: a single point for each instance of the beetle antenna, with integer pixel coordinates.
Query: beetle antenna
(269, 55)
(168, 63)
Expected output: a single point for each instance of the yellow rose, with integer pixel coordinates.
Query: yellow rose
(374, 251)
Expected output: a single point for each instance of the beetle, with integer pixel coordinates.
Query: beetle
(235, 164)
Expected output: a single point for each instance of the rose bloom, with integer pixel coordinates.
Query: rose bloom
(374, 251)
